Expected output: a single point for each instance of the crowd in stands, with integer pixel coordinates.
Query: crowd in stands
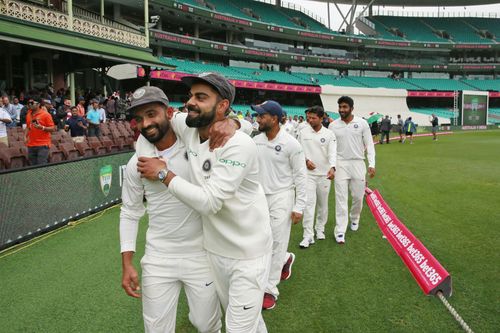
(43, 126)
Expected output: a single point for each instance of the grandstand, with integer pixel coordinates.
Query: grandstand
(117, 137)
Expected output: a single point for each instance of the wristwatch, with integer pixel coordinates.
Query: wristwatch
(162, 174)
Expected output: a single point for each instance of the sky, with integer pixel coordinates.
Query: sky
(320, 9)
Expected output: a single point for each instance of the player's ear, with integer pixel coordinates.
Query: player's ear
(169, 112)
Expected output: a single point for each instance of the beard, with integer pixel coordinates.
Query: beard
(264, 128)
(201, 120)
(161, 131)
(345, 115)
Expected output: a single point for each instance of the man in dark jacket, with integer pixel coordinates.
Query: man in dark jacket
(385, 128)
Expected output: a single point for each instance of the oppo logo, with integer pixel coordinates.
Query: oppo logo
(232, 163)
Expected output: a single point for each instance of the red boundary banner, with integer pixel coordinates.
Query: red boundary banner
(427, 271)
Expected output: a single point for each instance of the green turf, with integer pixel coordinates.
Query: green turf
(446, 192)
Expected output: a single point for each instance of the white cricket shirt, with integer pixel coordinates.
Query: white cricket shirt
(282, 166)
(175, 230)
(353, 140)
(319, 147)
(226, 191)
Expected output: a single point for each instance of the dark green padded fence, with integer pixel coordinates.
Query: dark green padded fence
(36, 200)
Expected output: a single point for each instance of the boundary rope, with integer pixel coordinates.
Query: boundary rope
(454, 313)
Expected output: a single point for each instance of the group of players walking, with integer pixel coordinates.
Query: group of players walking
(221, 204)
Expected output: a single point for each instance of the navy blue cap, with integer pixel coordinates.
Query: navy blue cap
(272, 107)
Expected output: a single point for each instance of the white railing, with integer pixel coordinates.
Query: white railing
(46, 16)
(434, 13)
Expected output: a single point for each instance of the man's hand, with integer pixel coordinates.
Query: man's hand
(220, 132)
(150, 166)
(371, 172)
(296, 217)
(331, 174)
(310, 165)
(130, 281)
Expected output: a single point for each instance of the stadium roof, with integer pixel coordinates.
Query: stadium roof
(415, 3)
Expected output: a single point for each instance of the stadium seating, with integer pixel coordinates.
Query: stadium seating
(412, 28)
(13, 158)
(486, 24)
(440, 112)
(263, 12)
(493, 85)
(433, 29)
(69, 151)
(55, 155)
(253, 74)
(84, 149)
(459, 30)
(438, 84)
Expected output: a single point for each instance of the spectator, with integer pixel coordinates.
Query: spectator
(400, 128)
(81, 106)
(409, 129)
(102, 112)
(18, 107)
(93, 118)
(435, 126)
(11, 110)
(39, 126)
(111, 107)
(133, 127)
(326, 120)
(375, 130)
(385, 129)
(49, 106)
(76, 125)
(62, 114)
(4, 120)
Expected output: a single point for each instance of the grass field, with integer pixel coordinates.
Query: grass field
(446, 192)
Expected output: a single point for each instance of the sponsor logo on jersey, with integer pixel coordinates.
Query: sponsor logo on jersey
(232, 163)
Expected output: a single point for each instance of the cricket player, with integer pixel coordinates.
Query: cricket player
(283, 177)
(353, 139)
(225, 189)
(320, 150)
(174, 256)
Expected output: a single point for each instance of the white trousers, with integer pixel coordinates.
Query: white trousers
(349, 175)
(240, 285)
(280, 211)
(318, 188)
(162, 279)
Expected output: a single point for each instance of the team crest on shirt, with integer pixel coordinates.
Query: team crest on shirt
(322, 140)
(277, 148)
(207, 165)
(356, 125)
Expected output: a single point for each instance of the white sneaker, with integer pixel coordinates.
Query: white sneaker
(354, 226)
(340, 239)
(320, 235)
(306, 242)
